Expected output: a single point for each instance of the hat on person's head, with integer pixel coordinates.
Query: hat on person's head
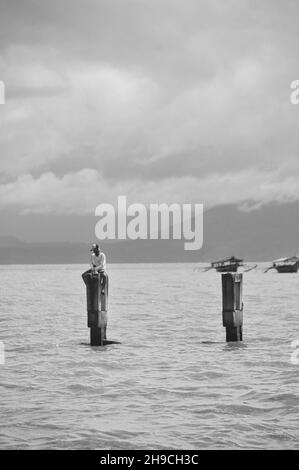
(95, 246)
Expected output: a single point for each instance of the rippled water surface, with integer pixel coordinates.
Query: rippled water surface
(173, 382)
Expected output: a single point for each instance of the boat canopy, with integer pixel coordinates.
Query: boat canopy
(231, 260)
(286, 261)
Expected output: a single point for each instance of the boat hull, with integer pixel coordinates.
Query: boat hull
(227, 269)
(287, 269)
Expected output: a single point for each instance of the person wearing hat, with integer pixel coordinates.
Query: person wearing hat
(97, 264)
(98, 259)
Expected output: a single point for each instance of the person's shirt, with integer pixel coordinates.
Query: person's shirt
(99, 262)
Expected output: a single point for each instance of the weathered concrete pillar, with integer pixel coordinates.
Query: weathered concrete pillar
(232, 303)
(97, 306)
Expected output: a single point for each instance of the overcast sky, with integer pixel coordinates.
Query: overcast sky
(159, 100)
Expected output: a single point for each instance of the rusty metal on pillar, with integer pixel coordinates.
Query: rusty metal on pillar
(97, 306)
(232, 303)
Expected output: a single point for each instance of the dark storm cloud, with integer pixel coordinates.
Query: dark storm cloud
(129, 94)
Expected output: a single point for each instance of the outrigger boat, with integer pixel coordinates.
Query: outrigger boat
(285, 265)
(227, 265)
(230, 265)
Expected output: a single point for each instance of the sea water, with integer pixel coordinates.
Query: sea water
(173, 382)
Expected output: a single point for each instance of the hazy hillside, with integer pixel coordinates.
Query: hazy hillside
(258, 235)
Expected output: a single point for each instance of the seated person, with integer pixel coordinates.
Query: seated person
(97, 265)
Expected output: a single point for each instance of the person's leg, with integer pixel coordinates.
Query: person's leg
(104, 289)
(103, 281)
(103, 284)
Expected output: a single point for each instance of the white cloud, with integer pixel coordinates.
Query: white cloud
(141, 86)
(81, 192)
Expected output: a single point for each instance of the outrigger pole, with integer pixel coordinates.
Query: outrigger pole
(268, 269)
(250, 268)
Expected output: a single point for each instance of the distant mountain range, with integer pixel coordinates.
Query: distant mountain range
(260, 235)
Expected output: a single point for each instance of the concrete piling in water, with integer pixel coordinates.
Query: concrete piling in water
(97, 306)
(232, 305)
